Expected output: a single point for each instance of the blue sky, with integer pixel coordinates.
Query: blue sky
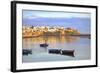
(79, 21)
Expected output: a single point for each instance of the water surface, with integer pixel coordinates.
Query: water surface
(81, 45)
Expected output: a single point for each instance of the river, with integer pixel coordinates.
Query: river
(81, 46)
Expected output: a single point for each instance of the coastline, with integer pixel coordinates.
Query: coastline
(77, 35)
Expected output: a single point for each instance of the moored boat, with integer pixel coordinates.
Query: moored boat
(62, 52)
(68, 52)
(26, 51)
(44, 45)
(55, 51)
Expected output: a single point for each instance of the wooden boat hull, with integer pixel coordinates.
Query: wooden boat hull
(55, 51)
(26, 52)
(62, 52)
(68, 52)
(43, 45)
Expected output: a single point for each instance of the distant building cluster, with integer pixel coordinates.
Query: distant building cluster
(32, 31)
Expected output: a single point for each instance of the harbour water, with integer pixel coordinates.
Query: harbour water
(81, 46)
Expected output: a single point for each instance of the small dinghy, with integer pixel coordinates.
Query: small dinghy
(44, 45)
(26, 51)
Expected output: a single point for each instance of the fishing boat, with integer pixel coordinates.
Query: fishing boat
(55, 51)
(68, 52)
(44, 45)
(27, 51)
(62, 52)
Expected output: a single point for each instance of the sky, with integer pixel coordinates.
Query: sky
(79, 21)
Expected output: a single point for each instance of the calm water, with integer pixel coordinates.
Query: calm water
(81, 45)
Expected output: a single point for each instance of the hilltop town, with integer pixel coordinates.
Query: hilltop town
(35, 31)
